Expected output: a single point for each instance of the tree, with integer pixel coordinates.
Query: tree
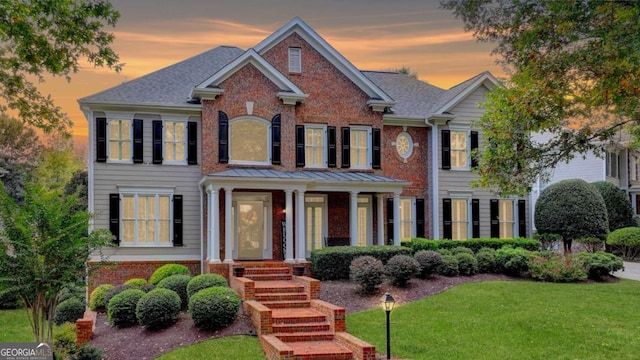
(619, 210)
(572, 209)
(44, 246)
(58, 163)
(575, 70)
(43, 36)
(405, 70)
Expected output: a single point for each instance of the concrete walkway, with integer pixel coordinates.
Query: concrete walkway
(631, 271)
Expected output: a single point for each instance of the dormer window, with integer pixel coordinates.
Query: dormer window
(295, 60)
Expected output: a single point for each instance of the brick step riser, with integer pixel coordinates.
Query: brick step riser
(297, 304)
(265, 271)
(281, 297)
(312, 356)
(292, 337)
(268, 277)
(299, 319)
(276, 290)
(297, 328)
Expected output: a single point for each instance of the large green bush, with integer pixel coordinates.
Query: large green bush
(467, 263)
(136, 282)
(619, 210)
(122, 308)
(167, 270)
(177, 283)
(449, 266)
(64, 340)
(401, 268)
(626, 242)
(97, 297)
(552, 267)
(512, 261)
(204, 281)
(214, 308)
(332, 263)
(69, 310)
(601, 263)
(486, 258)
(367, 272)
(158, 309)
(418, 244)
(115, 291)
(430, 262)
(572, 209)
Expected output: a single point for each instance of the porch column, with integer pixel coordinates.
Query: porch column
(228, 231)
(289, 225)
(213, 222)
(301, 242)
(353, 218)
(396, 219)
(380, 218)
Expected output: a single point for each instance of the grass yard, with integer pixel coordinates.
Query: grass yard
(231, 347)
(15, 326)
(512, 320)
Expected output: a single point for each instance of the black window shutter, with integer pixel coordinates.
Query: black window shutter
(495, 222)
(114, 217)
(474, 145)
(275, 140)
(101, 139)
(331, 146)
(475, 218)
(390, 221)
(192, 143)
(299, 145)
(447, 226)
(522, 218)
(420, 218)
(137, 141)
(177, 220)
(376, 149)
(446, 149)
(157, 141)
(346, 147)
(223, 137)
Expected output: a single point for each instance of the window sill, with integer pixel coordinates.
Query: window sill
(145, 246)
(119, 161)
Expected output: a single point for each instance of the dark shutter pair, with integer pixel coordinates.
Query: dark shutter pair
(447, 219)
(495, 221)
(101, 140)
(445, 147)
(192, 142)
(223, 138)
(419, 219)
(331, 146)
(114, 218)
(376, 148)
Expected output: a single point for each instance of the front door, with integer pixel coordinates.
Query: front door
(315, 216)
(252, 224)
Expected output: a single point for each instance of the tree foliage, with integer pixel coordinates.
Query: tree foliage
(619, 210)
(575, 70)
(55, 37)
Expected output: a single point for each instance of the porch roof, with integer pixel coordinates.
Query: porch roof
(309, 180)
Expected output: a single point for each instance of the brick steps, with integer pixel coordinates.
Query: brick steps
(305, 336)
(286, 304)
(274, 297)
(267, 277)
(319, 350)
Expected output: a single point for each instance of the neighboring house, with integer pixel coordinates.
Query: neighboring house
(269, 153)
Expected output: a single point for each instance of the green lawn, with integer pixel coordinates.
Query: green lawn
(512, 320)
(14, 326)
(231, 347)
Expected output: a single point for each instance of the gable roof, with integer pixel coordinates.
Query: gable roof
(457, 93)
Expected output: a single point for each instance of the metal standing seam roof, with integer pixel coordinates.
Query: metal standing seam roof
(312, 176)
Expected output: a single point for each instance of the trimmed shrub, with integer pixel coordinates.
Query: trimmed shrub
(177, 283)
(204, 281)
(167, 270)
(486, 259)
(72, 291)
(87, 352)
(367, 272)
(159, 308)
(625, 242)
(136, 282)
(64, 339)
(115, 291)
(591, 243)
(401, 268)
(619, 210)
(461, 250)
(449, 266)
(467, 263)
(552, 267)
(69, 311)
(122, 308)
(600, 263)
(512, 261)
(430, 262)
(214, 308)
(8, 299)
(332, 263)
(444, 252)
(97, 297)
(418, 244)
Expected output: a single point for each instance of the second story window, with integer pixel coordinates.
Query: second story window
(295, 60)
(119, 140)
(459, 154)
(174, 141)
(315, 144)
(249, 141)
(360, 155)
(456, 148)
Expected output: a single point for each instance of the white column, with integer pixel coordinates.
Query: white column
(380, 213)
(396, 219)
(289, 225)
(353, 218)
(228, 231)
(213, 223)
(301, 241)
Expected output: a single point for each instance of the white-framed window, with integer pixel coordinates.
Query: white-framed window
(404, 145)
(315, 144)
(360, 148)
(175, 142)
(459, 150)
(506, 218)
(407, 218)
(612, 164)
(295, 60)
(633, 168)
(120, 144)
(250, 141)
(146, 218)
(459, 219)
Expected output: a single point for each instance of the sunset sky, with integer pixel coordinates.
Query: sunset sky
(372, 34)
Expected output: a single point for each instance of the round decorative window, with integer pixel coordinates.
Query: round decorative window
(404, 145)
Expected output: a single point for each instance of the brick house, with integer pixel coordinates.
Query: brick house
(269, 153)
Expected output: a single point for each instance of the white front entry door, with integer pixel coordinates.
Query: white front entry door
(252, 226)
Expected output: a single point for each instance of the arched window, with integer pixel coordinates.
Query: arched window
(250, 141)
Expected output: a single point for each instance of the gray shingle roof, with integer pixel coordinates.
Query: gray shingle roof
(312, 176)
(456, 90)
(171, 85)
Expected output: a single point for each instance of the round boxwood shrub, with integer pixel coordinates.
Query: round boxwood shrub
(115, 291)
(136, 282)
(96, 299)
(214, 308)
(449, 266)
(72, 291)
(467, 263)
(626, 242)
(430, 262)
(122, 308)
(69, 310)
(158, 309)
(87, 352)
(64, 340)
(461, 250)
(204, 281)
(177, 283)
(512, 261)
(601, 263)
(619, 210)
(401, 268)
(486, 258)
(367, 272)
(167, 270)
(444, 251)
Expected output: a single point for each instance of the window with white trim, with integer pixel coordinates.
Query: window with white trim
(633, 168)
(360, 147)
(295, 60)
(612, 164)
(459, 219)
(506, 218)
(174, 141)
(407, 218)
(459, 150)
(120, 140)
(146, 219)
(250, 141)
(315, 146)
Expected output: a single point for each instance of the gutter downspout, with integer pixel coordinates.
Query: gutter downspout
(201, 231)
(434, 183)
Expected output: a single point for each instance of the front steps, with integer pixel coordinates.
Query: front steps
(293, 324)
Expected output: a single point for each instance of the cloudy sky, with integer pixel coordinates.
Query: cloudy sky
(372, 34)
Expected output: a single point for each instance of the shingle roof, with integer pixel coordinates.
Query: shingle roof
(456, 90)
(171, 85)
(312, 176)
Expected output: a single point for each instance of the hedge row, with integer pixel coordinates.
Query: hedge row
(418, 244)
(332, 263)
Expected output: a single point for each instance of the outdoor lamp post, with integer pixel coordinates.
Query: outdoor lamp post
(387, 301)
